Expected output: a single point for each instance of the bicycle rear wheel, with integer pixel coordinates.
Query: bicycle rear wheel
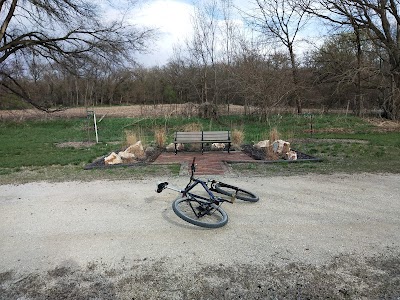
(239, 193)
(199, 212)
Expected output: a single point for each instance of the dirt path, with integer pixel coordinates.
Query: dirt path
(334, 235)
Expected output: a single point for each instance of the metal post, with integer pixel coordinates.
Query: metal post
(95, 128)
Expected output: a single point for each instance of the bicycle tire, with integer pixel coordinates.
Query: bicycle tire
(239, 193)
(199, 212)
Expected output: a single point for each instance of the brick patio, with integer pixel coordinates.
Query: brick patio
(208, 163)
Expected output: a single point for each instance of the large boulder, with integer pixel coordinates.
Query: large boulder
(262, 144)
(112, 159)
(137, 150)
(291, 155)
(277, 149)
(280, 147)
(126, 157)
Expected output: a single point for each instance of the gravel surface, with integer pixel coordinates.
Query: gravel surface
(308, 237)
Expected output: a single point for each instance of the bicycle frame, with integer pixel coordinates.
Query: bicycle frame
(192, 183)
(205, 210)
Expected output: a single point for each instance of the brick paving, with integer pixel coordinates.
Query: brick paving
(208, 163)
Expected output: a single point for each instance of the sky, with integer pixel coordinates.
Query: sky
(173, 21)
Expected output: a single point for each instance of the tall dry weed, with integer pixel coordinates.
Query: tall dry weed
(269, 152)
(237, 137)
(160, 137)
(273, 135)
(130, 138)
(192, 127)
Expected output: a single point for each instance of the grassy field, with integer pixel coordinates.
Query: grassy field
(46, 150)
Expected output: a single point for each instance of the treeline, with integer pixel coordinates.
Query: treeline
(329, 77)
(89, 62)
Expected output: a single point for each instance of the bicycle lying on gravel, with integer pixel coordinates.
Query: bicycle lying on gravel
(205, 211)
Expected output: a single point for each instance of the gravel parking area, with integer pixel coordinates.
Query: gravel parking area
(308, 237)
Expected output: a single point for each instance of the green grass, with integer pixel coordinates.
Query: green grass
(33, 143)
(31, 147)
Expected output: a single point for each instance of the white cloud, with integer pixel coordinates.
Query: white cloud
(172, 19)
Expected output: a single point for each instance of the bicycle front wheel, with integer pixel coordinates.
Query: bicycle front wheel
(200, 212)
(239, 193)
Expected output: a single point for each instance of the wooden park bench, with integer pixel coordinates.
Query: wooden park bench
(202, 137)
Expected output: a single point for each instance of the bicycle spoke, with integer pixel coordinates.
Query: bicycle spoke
(199, 212)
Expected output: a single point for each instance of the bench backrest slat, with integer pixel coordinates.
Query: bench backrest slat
(188, 136)
(216, 136)
(202, 136)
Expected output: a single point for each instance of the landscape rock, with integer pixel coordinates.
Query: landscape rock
(217, 146)
(171, 147)
(262, 144)
(280, 147)
(112, 159)
(291, 155)
(136, 149)
(149, 150)
(126, 157)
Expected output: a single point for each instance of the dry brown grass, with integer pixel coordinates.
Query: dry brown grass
(128, 111)
(237, 137)
(131, 138)
(273, 136)
(192, 127)
(160, 136)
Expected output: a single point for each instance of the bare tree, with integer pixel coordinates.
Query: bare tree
(61, 32)
(282, 20)
(262, 80)
(202, 46)
(230, 37)
(380, 19)
(341, 75)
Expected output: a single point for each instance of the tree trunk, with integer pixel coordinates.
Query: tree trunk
(393, 106)
(295, 79)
